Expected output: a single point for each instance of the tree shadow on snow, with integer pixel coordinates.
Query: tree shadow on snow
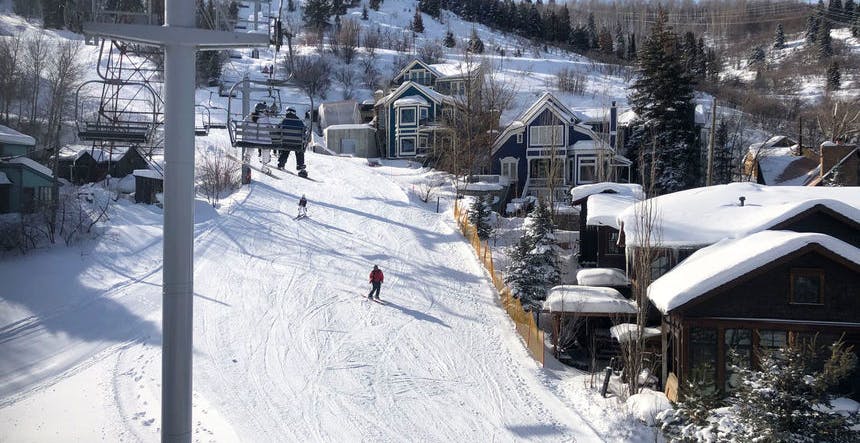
(532, 431)
(423, 316)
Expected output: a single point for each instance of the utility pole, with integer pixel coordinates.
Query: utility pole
(709, 180)
(180, 40)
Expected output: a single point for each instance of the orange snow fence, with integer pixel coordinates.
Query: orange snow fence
(525, 321)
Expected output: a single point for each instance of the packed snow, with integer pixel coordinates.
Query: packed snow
(603, 209)
(587, 299)
(602, 277)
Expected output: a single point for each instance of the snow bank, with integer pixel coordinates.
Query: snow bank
(727, 260)
(601, 277)
(624, 332)
(647, 404)
(587, 299)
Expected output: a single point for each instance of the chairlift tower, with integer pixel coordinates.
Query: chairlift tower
(180, 40)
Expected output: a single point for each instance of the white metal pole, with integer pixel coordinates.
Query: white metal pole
(178, 278)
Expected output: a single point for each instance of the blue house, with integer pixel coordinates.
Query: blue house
(445, 78)
(408, 118)
(549, 149)
(14, 143)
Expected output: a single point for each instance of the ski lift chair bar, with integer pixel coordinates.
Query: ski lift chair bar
(134, 132)
(266, 135)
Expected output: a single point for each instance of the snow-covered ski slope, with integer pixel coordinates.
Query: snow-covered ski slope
(286, 347)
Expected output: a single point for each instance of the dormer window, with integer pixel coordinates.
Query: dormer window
(520, 138)
(807, 286)
(407, 115)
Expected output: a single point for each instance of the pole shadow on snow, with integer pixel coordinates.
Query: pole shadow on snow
(418, 315)
(531, 431)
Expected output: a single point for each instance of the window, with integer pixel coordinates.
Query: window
(738, 352)
(407, 115)
(540, 168)
(807, 286)
(612, 247)
(520, 138)
(546, 135)
(660, 264)
(587, 170)
(423, 114)
(771, 340)
(703, 355)
(407, 145)
(422, 142)
(509, 168)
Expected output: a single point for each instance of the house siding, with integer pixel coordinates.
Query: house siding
(822, 222)
(510, 148)
(395, 131)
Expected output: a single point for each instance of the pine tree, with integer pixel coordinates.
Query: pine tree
(701, 69)
(665, 134)
(756, 56)
(479, 216)
(855, 28)
(849, 8)
(691, 414)
(604, 41)
(811, 29)
(579, 39)
(476, 46)
(316, 13)
(291, 5)
(834, 76)
(449, 41)
(834, 10)
(337, 7)
(534, 260)
(631, 47)
(619, 42)
(563, 24)
(430, 7)
(591, 27)
(825, 49)
(779, 38)
(364, 13)
(689, 52)
(723, 158)
(374, 4)
(418, 22)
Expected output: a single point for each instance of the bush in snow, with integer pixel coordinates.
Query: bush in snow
(691, 420)
(479, 215)
(534, 259)
(216, 174)
(786, 399)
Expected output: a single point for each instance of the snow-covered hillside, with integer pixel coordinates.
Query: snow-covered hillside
(286, 345)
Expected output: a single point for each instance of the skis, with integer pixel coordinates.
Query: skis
(300, 216)
(375, 300)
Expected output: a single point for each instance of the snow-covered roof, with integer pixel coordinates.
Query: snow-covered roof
(411, 100)
(776, 145)
(9, 135)
(435, 96)
(601, 277)
(587, 299)
(32, 164)
(706, 215)
(148, 173)
(626, 117)
(460, 69)
(4, 180)
(723, 262)
(592, 115)
(582, 145)
(350, 126)
(624, 332)
(788, 170)
(631, 189)
(603, 209)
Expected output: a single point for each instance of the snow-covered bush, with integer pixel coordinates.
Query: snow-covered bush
(479, 216)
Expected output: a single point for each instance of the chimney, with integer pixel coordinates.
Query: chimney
(831, 153)
(613, 124)
(742, 199)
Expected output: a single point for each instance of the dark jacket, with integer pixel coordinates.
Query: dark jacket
(376, 276)
(303, 202)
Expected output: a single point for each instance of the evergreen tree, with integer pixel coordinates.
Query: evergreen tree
(364, 13)
(418, 22)
(631, 47)
(714, 65)
(591, 27)
(691, 414)
(834, 76)
(665, 135)
(756, 56)
(563, 24)
(701, 70)
(849, 9)
(723, 158)
(855, 28)
(535, 23)
(337, 7)
(534, 260)
(619, 42)
(811, 29)
(834, 10)
(479, 216)
(316, 13)
(476, 46)
(374, 4)
(449, 41)
(430, 7)
(604, 41)
(291, 5)
(579, 39)
(779, 38)
(689, 52)
(825, 49)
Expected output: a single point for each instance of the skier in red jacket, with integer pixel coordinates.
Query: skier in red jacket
(376, 279)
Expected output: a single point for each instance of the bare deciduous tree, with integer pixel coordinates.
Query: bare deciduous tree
(344, 41)
(431, 52)
(36, 58)
(216, 174)
(11, 73)
(345, 76)
(840, 120)
(312, 73)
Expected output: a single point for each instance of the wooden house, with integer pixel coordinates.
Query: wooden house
(599, 230)
(445, 78)
(754, 293)
(547, 149)
(409, 120)
(128, 162)
(148, 183)
(25, 185)
(14, 143)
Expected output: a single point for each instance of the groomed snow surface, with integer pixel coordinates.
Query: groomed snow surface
(286, 347)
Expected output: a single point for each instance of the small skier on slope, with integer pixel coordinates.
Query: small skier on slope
(376, 279)
(303, 207)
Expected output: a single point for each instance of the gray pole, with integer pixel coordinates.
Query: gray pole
(178, 278)
(709, 176)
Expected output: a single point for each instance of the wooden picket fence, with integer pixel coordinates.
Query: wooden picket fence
(525, 322)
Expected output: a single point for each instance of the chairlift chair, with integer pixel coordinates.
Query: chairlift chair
(202, 121)
(122, 117)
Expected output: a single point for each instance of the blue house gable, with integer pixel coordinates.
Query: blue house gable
(408, 117)
(547, 149)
